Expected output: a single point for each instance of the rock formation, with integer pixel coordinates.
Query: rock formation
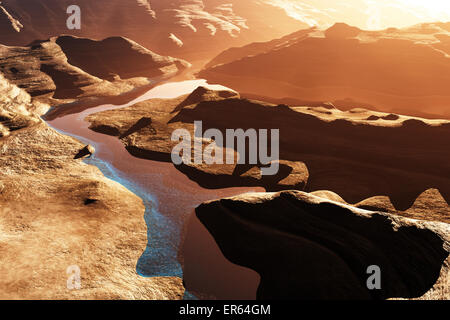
(117, 57)
(363, 180)
(146, 129)
(65, 68)
(307, 247)
(321, 148)
(87, 151)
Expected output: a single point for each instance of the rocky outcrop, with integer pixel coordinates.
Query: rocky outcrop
(146, 129)
(57, 212)
(117, 57)
(307, 247)
(321, 148)
(63, 68)
(395, 70)
(204, 94)
(43, 69)
(86, 152)
(16, 108)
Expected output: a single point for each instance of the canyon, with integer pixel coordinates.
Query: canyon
(318, 150)
(87, 177)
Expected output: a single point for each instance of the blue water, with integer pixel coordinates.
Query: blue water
(160, 258)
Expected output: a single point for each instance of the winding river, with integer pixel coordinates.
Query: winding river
(170, 198)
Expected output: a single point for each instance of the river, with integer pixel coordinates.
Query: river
(170, 198)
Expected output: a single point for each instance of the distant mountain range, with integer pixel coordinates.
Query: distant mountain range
(198, 29)
(189, 29)
(395, 70)
(365, 14)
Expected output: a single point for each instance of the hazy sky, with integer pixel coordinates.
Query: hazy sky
(367, 14)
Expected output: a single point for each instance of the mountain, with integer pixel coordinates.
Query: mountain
(69, 67)
(190, 29)
(196, 30)
(394, 70)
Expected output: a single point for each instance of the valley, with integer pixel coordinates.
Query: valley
(230, 150)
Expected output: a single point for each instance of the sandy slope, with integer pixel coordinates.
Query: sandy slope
(56, 212)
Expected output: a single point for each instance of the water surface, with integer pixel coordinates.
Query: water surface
(169, 196)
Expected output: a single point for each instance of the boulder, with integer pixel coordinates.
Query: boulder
(306, 247)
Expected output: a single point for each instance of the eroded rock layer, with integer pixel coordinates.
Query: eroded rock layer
(358, 154)
(65, 68)
(307, 247)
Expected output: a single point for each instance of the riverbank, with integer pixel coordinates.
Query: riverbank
(169, 196)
